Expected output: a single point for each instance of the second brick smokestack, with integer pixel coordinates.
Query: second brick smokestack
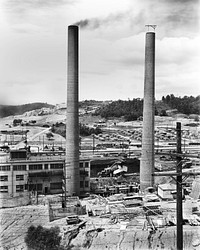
(72, 180)
(147, 159)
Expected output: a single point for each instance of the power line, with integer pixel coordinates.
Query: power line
(179, 156)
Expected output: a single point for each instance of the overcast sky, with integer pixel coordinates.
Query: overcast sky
(112, 38)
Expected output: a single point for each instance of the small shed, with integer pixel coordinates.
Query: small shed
(165, 191)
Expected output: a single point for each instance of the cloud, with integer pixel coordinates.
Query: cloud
(174, 18)
(121, 64)
(112, 38)
(39, 13)
(27, 28)
(95, 23)
(177, 66)
(24, 5)
(184, 50)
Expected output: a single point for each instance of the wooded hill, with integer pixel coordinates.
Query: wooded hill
(133, 109)
(130, 110)
(7, 110)
(186, 105)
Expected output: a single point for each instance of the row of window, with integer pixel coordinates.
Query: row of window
(19, 177)
(4, 178)
(35, 167)
(38, 186)
(35, 187)
(19, 167)
(81, 164)
(56, 166)
(4, 168)
(19, 188)
(83, 172)
(38, 166)
(4, 189)
(82, 184)
(15, 168)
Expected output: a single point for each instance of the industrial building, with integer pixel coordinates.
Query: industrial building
(42, 172)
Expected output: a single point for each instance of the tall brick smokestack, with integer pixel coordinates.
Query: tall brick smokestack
(147, 159)
(72, 181)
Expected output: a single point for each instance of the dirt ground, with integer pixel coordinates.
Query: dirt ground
(112, 227)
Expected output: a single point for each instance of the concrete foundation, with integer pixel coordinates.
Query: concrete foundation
(147, 159)
(72, 126)
(7, 201)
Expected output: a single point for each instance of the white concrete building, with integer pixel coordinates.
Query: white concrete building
(165, 191)
(22, 171)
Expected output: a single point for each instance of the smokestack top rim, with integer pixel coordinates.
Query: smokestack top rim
(150, 32)
(73, 26)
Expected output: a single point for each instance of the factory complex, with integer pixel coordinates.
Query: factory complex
(40, 173)
(134, 186)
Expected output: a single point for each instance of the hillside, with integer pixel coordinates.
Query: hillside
(8, 110)
(186, 105)
(129, 110)
(133, 109)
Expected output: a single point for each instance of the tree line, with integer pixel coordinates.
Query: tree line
(60, 128)
(186, 105)
(130, 110)
(133, 109)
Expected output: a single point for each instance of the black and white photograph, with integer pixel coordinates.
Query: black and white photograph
(99, 124)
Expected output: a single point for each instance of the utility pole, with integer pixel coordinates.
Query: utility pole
(93, 143)
(64, 198)
(43, 142)
(37, 190)
(179, 177)
(179, 228)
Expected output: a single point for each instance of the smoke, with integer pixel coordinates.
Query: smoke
(95, 23)
(180, 19)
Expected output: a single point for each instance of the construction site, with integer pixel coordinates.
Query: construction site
(132, 197)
